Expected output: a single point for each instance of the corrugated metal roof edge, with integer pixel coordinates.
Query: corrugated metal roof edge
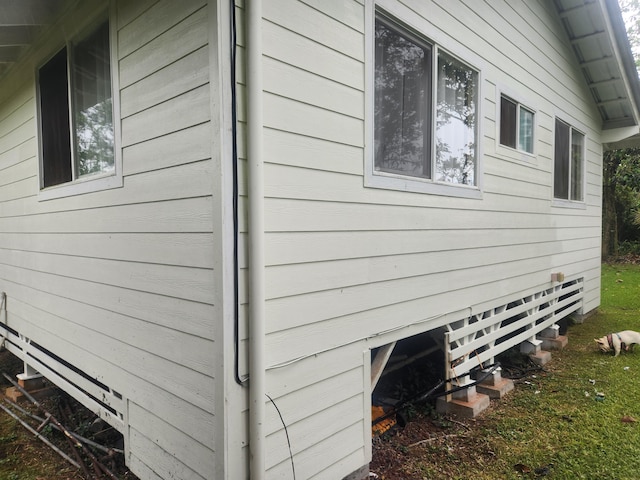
(624, 47)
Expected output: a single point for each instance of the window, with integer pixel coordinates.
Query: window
(425, 110)
(456, 122)
(516, 125)
(402, 103)
(568, 176)
(76, 111)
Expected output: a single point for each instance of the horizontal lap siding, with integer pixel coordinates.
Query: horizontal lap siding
(314, 102)
(319, 413)
(165, 108)
(346, 262)
(121, 282)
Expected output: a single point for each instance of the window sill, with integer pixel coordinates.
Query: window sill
(515, 154)
(414, 185)
(80, 187)
(561, 203)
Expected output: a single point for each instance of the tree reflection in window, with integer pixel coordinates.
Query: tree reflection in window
(407, 119)
(402, 91)
(93, 110)
(456, 122)
(94, 136)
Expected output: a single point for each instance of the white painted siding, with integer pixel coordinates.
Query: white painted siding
(128, 283)
(349, 267)
(121, 283)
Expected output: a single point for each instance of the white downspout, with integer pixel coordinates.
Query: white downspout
(255, 172)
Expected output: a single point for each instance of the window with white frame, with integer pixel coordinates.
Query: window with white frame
(516, 125)
(425, 109)
(77, 140)
(568, 174)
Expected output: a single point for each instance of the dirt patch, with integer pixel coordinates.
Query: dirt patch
(430, 447)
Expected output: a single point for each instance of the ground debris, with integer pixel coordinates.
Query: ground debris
(22, 455)
(433, 439)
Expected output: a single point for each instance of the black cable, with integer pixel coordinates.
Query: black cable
(234, 143)
(516, 373)
(286, 432)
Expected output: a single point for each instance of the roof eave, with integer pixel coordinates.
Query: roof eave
(626, 60)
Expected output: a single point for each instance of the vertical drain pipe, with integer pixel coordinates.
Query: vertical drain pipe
(255, 172)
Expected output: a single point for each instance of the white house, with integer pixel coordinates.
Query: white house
(211, 213)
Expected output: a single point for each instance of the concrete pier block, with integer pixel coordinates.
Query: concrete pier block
(30, 382)
(529, 347)
(557, 343)
(33, 383)
(550, 332)
(542, 357)
(494, 386)
(467, 409)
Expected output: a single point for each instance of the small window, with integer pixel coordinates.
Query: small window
(568, 180)
(516, 125)
(76, 111)
(425, 110)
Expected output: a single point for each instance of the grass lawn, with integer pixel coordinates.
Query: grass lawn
(554, 421)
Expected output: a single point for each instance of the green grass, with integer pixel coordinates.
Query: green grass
(565, 423)
(557, 418)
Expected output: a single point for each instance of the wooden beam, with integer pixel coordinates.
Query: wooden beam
(379, 362)
(588, 36)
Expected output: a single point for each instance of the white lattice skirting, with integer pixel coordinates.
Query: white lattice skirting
(476, 340)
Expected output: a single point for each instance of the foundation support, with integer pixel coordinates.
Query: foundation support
(379, 362)
(551, 338)
(494, 386)
(31, 381)
(467, 403)
(533, 348)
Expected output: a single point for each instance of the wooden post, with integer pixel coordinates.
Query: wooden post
(447, 364)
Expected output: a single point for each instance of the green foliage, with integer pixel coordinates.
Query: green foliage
(631, 13)
(621, 203)
(627, 173)
(8, 438)
(629, 247)
(621, 168)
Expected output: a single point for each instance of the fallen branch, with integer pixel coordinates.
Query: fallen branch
(91, 443)
(40, 437)
(433, 439)
(98, 466)
(459, 423)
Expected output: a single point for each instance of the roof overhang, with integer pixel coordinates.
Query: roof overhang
(598, 36)
(20, 23)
